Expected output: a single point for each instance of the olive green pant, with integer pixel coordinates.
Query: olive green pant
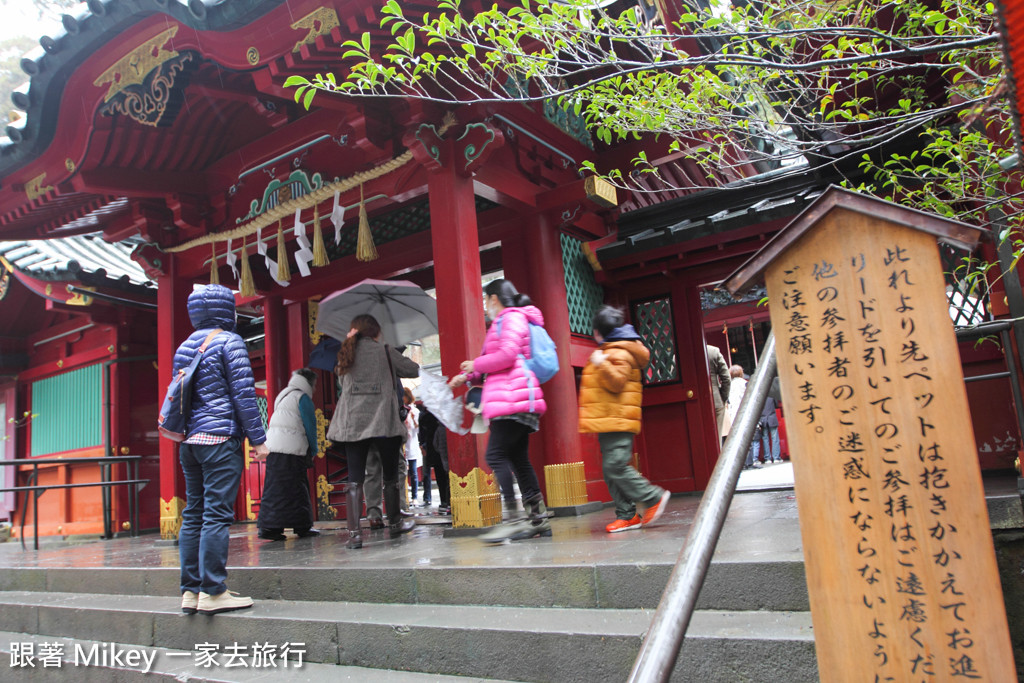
(626, 485)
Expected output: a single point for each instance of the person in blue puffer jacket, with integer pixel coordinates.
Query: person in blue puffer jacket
(224, 412)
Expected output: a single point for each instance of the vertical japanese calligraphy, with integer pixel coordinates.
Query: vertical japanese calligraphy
(900, 562)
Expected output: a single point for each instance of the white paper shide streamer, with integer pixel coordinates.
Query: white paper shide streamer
(232, 260)
(304, 255)
(337, 217)
(261, 248)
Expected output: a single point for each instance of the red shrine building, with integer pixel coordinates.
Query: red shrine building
(158, 148)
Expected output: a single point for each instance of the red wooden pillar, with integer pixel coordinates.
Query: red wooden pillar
(297, 314)
(173, 327)
(460, 313)
(559, 431)
(275, 327)
(450, 162)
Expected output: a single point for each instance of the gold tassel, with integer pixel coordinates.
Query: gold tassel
(319, 250)
(245, 284)
(214, 275)
(365, 249)
(284, 273)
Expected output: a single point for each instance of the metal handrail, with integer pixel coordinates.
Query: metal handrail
(664, 638)
(105, 462)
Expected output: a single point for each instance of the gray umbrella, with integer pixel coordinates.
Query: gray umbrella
(405, 312)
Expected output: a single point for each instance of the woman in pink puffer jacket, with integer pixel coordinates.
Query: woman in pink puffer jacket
(512, 397)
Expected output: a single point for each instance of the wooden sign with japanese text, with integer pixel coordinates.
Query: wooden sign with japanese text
(900, 561)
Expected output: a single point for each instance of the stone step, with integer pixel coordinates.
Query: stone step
(777, 585)
(79, 661)
(561, 645)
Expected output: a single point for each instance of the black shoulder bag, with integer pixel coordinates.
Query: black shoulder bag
(403, 410)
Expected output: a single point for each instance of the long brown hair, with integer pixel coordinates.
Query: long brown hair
(365, 326)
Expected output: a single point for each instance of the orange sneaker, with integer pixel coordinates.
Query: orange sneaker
(624, 525)
(652, 513)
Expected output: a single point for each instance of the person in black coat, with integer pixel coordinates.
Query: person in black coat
(434, 458)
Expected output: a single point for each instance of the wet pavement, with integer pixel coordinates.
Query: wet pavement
(761, 526)
(767, 476)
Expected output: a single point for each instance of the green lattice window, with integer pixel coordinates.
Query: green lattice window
(582, 292)
(966, 288)
(653, 321)
(261, 405)
(69, 411)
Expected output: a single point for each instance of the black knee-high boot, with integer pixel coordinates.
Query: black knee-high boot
(397, 523)
(353, 509)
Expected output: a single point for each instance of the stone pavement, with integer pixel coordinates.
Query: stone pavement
(579, 602)
(767, 477)
(759, 523)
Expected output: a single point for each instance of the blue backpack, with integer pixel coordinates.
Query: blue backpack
(177, 407)
(543, 360)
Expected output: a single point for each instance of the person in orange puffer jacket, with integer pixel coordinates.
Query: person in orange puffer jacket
(611, 393)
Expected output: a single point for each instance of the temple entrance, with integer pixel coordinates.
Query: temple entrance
(738, 329)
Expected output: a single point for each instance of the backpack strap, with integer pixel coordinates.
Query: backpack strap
(531, 379)
(209, 338)
(199, 354)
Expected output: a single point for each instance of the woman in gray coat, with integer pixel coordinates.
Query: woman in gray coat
(367, 415)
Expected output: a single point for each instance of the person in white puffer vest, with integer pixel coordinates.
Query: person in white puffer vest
(292, 440)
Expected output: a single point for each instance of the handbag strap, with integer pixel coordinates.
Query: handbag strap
(394, 381)
(391, 368)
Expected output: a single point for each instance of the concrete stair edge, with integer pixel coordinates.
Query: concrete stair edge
(444, 640)
(761, 585)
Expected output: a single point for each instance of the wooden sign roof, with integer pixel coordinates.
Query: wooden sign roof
(945, 230)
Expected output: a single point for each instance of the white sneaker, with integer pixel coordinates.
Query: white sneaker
(189, 602)
(224, 602)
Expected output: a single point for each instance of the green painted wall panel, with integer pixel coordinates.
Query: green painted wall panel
(69, 409)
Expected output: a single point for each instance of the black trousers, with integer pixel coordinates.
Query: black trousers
(390, 449)
(433, 461)
(509, 444)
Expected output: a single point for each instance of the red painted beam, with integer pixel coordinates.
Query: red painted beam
(129, 182)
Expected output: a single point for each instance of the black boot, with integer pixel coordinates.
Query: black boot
(353, 508)
(538, 514)
(397, 523)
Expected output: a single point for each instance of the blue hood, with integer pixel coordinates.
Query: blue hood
(624, 333)
(212, 306)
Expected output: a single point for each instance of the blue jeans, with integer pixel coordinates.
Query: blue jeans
(772, 450)
(413, 481)
(212, 474)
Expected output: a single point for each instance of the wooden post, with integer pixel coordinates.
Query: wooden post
(173, 327)
(450, 162)
(559, 431)
(276, 349)
(900, 563)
